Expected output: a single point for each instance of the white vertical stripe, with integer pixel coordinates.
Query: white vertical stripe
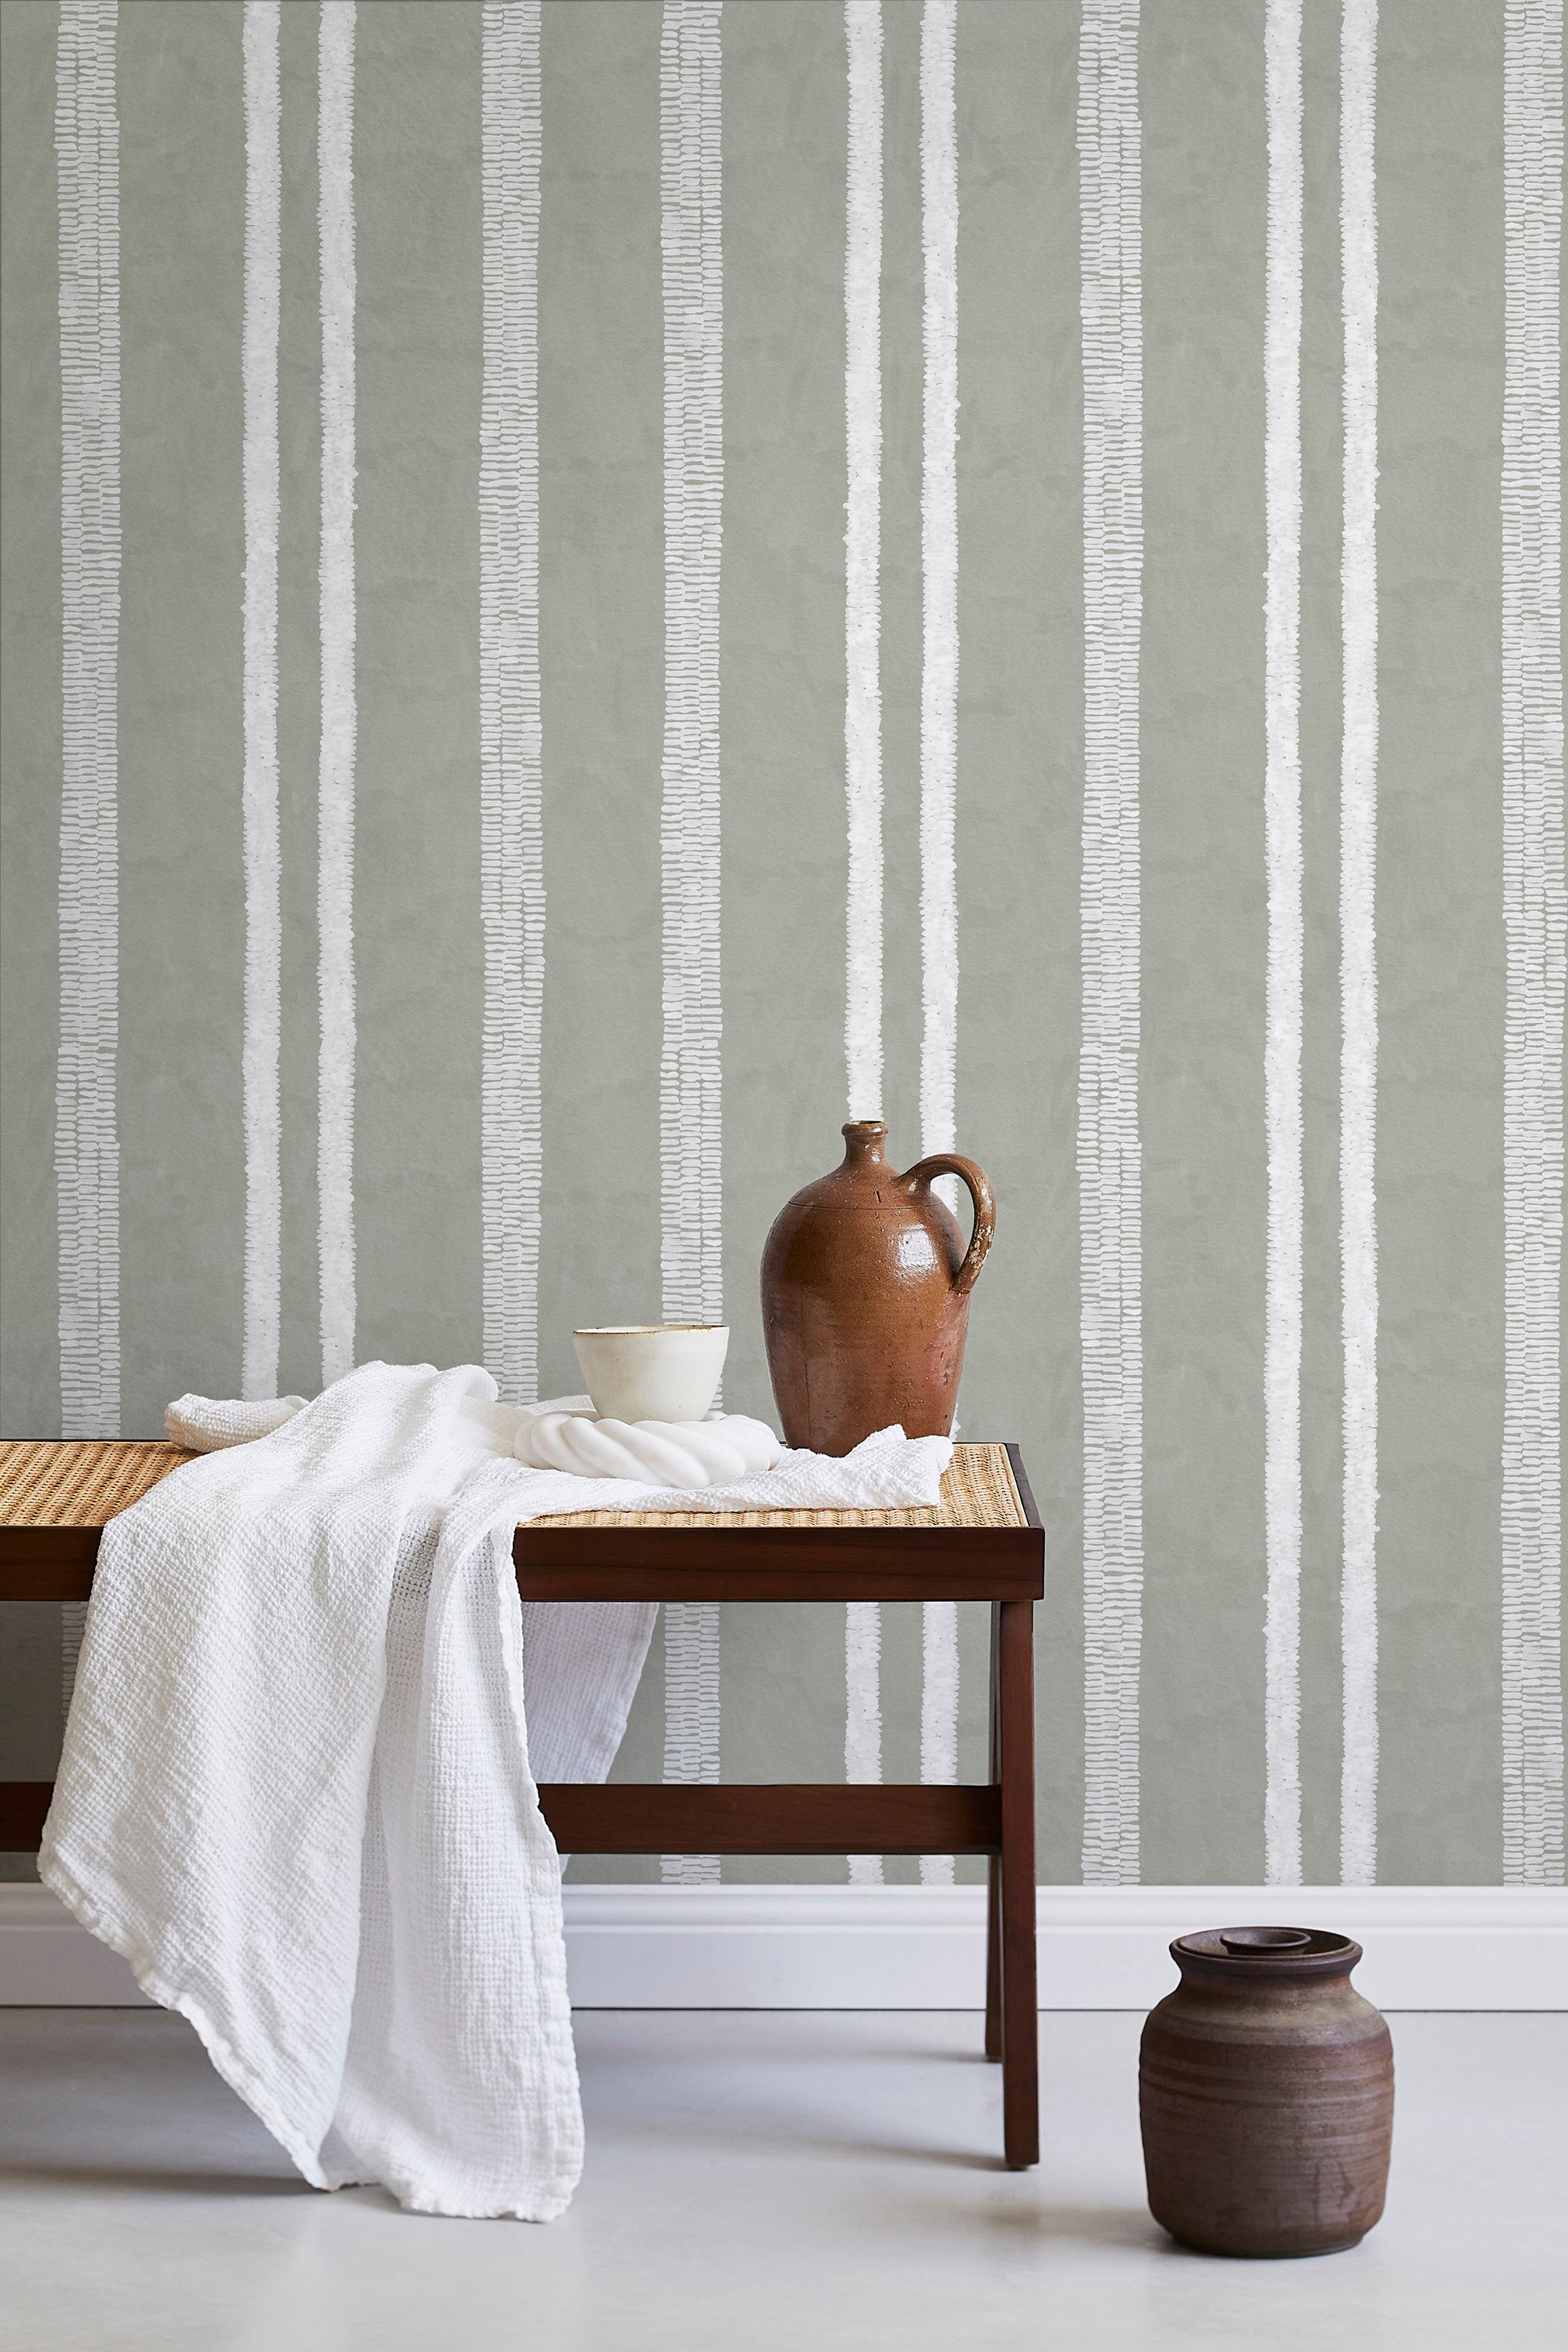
(690, 1715)
(693, 486)
(863, 741)
(334, 885)
(939, 559)
(691, 1719)
(689, 1075)
(1109, 1151)
(862, 555)
(1358, 949)
(938, 1711)
(1282, 1000)
(939, 758)
(263, 905)
(863, 1715)
(87, 1141)
(512, 836)
(1534, 924)
(73, 1625)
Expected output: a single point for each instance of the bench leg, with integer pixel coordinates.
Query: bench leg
(994, 1877)
(994, 1959)
(1014, 1628)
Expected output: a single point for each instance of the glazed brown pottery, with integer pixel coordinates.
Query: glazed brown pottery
(1266, 2088)
(866, 1284)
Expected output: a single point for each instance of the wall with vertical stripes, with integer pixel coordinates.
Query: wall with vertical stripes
(592, 586)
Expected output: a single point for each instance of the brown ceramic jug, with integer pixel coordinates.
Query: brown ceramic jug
(866, 1284)
(1266, 2092)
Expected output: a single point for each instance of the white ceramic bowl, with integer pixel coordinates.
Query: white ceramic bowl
(652, 1371)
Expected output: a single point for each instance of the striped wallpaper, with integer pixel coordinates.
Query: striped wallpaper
(595, 586)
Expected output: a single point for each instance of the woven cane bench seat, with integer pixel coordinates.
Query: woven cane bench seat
(85, 1483)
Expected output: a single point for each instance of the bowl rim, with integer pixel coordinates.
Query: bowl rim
(645, 1330)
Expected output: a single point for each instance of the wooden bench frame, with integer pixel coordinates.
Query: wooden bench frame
(718, 1561)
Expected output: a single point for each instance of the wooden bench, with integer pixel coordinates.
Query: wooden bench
(983, 1542)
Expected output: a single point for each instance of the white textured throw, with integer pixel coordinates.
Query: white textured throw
(206, 1423)
(297, 1794)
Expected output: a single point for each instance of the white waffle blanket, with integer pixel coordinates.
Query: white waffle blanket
(297, 1793)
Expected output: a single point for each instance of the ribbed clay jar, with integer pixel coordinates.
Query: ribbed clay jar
(1266, 2092)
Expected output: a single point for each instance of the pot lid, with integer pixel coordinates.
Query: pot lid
(1312, 1950)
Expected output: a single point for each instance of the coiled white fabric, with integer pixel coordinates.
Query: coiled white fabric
(682, 1454)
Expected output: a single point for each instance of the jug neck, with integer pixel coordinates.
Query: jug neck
(863, 1141)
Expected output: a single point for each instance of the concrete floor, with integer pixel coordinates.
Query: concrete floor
(764, 2183)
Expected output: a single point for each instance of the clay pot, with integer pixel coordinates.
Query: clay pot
(1265, 2090)
(866, 1284)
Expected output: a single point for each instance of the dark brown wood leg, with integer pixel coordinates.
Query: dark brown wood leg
(1020, 2015)
(994, 1877)
(994, 1959)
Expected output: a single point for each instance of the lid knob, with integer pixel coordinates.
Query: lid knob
(1246, 1941)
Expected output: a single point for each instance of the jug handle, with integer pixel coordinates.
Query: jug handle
(947, 1163)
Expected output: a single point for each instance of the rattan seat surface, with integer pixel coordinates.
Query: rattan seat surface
(977, 1491)
(79, 1482)
(84, 1482)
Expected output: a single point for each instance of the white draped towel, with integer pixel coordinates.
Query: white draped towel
(297, 1792)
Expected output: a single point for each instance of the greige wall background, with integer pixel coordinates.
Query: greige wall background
(1201, 1733)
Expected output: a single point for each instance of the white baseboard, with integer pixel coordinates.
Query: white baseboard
(1100, 1947)
(922, 1946)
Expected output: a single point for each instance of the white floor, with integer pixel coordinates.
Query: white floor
(806, 2182)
